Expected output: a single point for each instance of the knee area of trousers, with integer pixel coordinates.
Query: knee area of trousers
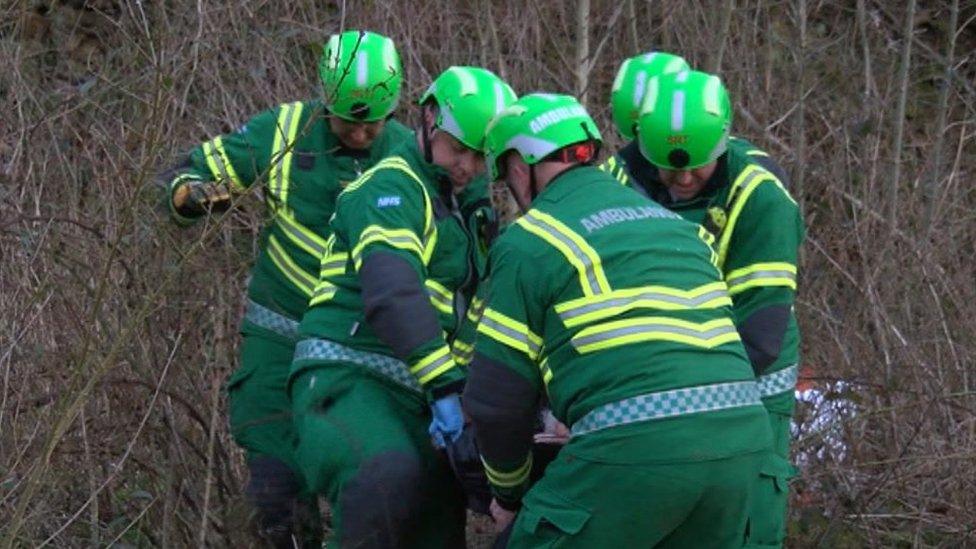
(273, 487)
(388, 483)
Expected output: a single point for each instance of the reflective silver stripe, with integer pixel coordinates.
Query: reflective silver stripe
(279, 182)
(357, 257)
(282, 263)
(689, 302)
(386, 366)
(577, 252)
(259, 315)
(579, 341)
(435, 296)
(325, 289)
(334, 264)
(677, 402)
(514, 334)
(426, 370)
(778, 382)
(772, 273)
(211, 150)
(294, 233)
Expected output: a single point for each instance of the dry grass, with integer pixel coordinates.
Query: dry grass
(117, 329)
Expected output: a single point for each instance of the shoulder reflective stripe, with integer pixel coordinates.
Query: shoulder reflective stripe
(219, 163)
(302, 236)
(757, 152)
(281, 150)
(622, 176)
(440, 296)
(304, 281)
(623, 332)
(402, 239)
(433, 365)
(762, 274)
(579, 254)
(589, 309)
(510, 332)
(397, 163)
(747, 182)
(742, 188)
(508, 479)
(709, 239)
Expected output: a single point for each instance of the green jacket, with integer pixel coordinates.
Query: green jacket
(303, 167)
(400, 208)
(598, 296)
(758, 230)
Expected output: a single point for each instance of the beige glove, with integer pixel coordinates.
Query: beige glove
(197, 197)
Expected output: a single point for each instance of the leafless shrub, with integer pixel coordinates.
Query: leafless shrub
(117, 329)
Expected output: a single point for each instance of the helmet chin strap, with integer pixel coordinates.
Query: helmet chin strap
(425, 137)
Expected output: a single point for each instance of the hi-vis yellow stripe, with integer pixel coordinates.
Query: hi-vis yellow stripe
(546, 371)
(324, 291)
(402, 239)
(576, 250)
(219, 163)
(281, 151)
(510, 332)
(440, 297)
(397, 163)
(761, 274)
(742, 188)
(462, 352)
(616, 169)
(301, 279)
(623, 332)
(433, 365)
(303, 237)
(581, 311)
(508, 479)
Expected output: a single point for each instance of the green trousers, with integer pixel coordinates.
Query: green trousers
(363, 443)
(767, 516)
(260, 412)
(579, 503)
(261, 423)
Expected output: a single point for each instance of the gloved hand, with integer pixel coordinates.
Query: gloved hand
(198, 197)
(448, 420)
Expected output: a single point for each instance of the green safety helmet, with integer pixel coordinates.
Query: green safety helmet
(536, 126)
(684, 120)
(361, 76)
(631, 83)
(467, 99)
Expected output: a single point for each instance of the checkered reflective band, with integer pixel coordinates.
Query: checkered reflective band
(778, 382)
(389, 367)
(264, 317)
(690, 400)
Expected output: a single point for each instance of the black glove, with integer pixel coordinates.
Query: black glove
(466, 463)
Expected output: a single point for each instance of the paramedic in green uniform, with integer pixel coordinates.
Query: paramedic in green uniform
(374, 384)
(684, 159)
(611, 308)
(301, 154)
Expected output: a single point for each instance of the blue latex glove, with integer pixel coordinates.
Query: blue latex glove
(448, 420)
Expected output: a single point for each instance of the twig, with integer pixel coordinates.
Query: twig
(899, 121)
